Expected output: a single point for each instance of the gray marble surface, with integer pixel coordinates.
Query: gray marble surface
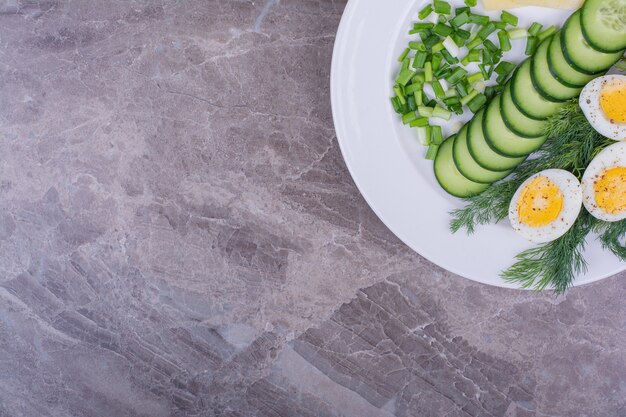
(179, 236)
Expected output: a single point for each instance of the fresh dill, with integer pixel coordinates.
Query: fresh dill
(571, 145)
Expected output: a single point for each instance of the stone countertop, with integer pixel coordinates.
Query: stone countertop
(179, 236)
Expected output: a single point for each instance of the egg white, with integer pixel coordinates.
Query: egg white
(572, 204)
(611, 157)
(589, 102)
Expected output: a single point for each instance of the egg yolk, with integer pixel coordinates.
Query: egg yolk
(540, 202)
(613, 101)
(610, 190)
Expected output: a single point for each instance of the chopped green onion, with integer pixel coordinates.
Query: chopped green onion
(438, 89)
(460, 88)
(431, 41)
(423, 26)
(458, 40)
(460, 10)
(517, 33)
(452, 101)
(479, 86)
(442, 19)
(487, 56)
(449, 58)
(419, 122)
(478, 19)
(490, 92)
(500, 25)
(436, 61)
(425, 111)
(471, 3)
(431, 154)
(425, 35)
(425, 12)
(462, 33)
(442, 30)
(477, 103)
(460, 20)
(472, 56)
(405, 76)
(426, 135)
(417, 46)
(451, 47)
(409, 117)
(484, 72)
(441, 113)
(436, 135)
(442, 7)
(469, 97)
(475, 77)
(428, 72)
(413, 88)
(531, 45)
(431, 103)
(399, 94)
(491, 46)
(419, 78)
(450, 93)
(403, 55)
(535, 28)
(420, 59)
(410, 101)
(502, 78)
(474, 43)
(421, 135)
(486, 31)
(444, 71)
(438, 48)
(509, 18)
(504, 68)
(505, 42)
(457, 75)
(397, 107)
(546, 33)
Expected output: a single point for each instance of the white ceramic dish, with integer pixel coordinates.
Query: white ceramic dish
(386, 161)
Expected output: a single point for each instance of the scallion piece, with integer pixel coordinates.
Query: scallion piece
(491, 46)
(436, 135)
(431, 153)
(428, 72)
(462, 33)
(419, 78)
(478, 19)
(399, 94)
(419, 122)
(431, 41)
(500, 25)
(425, 111)
(441, 113)
(477, 103)
(471, 3)
(546, 33)
(486, 31)
(460, 88)
(436, 62)
(410, 89)
(531, 45)
(457, 75)
(504, 68)
(459, 41)
(437, 48)
(409, 117)
(442, 30)
(518, 33)
(405, 76)
(509, 18)
(449, 58)
(403, 55)
(469, 97)
(475, 77)
(452, 101)
(505, 42)
(460, 20)
(442, 7)
(460, 10)
(438, 89)
(397, 107)
(472, 56)
(474, 43)
(535, 28)
(450, 93)
(420, 59)
(442, 19)
(501, 79)
(425, 12)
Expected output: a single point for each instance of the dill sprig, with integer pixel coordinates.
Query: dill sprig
(571, 145)
(553, 264)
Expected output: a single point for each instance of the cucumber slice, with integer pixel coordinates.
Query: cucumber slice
(482, 152)
(549, 87)
(604, 24)
(561, 69)
(579, 54)
(449, 176)
(526, 97)
(501, 138)
(468, 166)
(516, 120)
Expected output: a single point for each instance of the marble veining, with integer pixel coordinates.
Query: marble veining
(179, 236)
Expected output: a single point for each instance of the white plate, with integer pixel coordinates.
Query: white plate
(387, 162)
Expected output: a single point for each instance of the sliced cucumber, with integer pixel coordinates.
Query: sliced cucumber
(516, 120)
(579, 54)
(604, 24)
(501, 138)
(468, 166)
(482, 152)
(549, 87)
(449, 176)
(527, 99)
(561, 69)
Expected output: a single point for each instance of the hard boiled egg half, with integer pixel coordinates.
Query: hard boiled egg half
(603, 101)
(546, 205)
(604, 184)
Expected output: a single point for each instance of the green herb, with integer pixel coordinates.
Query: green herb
(611, 236)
